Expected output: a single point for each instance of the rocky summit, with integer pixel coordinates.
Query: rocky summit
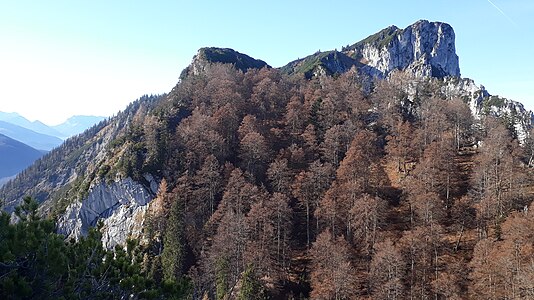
(424, 49)
(210, 55)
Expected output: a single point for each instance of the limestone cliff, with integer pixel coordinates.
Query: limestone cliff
(483, 103)
(424, 49)
(120, 205)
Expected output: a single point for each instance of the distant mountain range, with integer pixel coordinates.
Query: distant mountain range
(29, 137)
(40, 136)
(75, 125)
(72, 126)
(37, 126)
(23, 141)
(15, 156)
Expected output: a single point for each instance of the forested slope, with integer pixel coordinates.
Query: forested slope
(325, 191)
(73, 162)
(284, 186)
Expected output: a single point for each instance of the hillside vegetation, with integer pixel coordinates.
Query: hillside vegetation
(281, 187)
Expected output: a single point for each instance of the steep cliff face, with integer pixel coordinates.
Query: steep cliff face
(424, 49)
(121, 205)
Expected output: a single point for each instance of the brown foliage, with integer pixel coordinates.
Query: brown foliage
(309, 188)
(504, 269)
(269, 230)
(200, 139)
(498, 176)
(387, 271)
(280, 176)
(332, 275)
(358, 173)
(421, 249)
(366, 217)
(264, 163)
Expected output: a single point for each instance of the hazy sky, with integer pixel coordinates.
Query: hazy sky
(60, 58)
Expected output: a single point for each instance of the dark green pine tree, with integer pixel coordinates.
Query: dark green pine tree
(172, 257)
(32, 256)
(251, 287)
(222, 274)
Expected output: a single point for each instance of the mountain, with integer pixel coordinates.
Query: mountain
(345, 164)
(31, 138)
(75, 125)
(424, 51)
(36, 126)
(72, 126)
(15, 156)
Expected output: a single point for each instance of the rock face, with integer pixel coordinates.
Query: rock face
(482, 103)
(120, 205)
(424, 49)
(467, 89)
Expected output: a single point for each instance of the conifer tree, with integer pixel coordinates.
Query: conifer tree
(172, 257)
(251, 288)
(222, 278)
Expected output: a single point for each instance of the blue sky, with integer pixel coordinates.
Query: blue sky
(60, 58)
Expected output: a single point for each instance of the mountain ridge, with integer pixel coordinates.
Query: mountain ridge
(29, 137)
(425, 49)
(15, 156)
(37, 126)
(73, 125)
(375, 174)
(249, 173)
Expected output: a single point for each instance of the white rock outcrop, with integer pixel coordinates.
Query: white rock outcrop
(424, 49)
(121, 205)
(481, 102)
(467, 89)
